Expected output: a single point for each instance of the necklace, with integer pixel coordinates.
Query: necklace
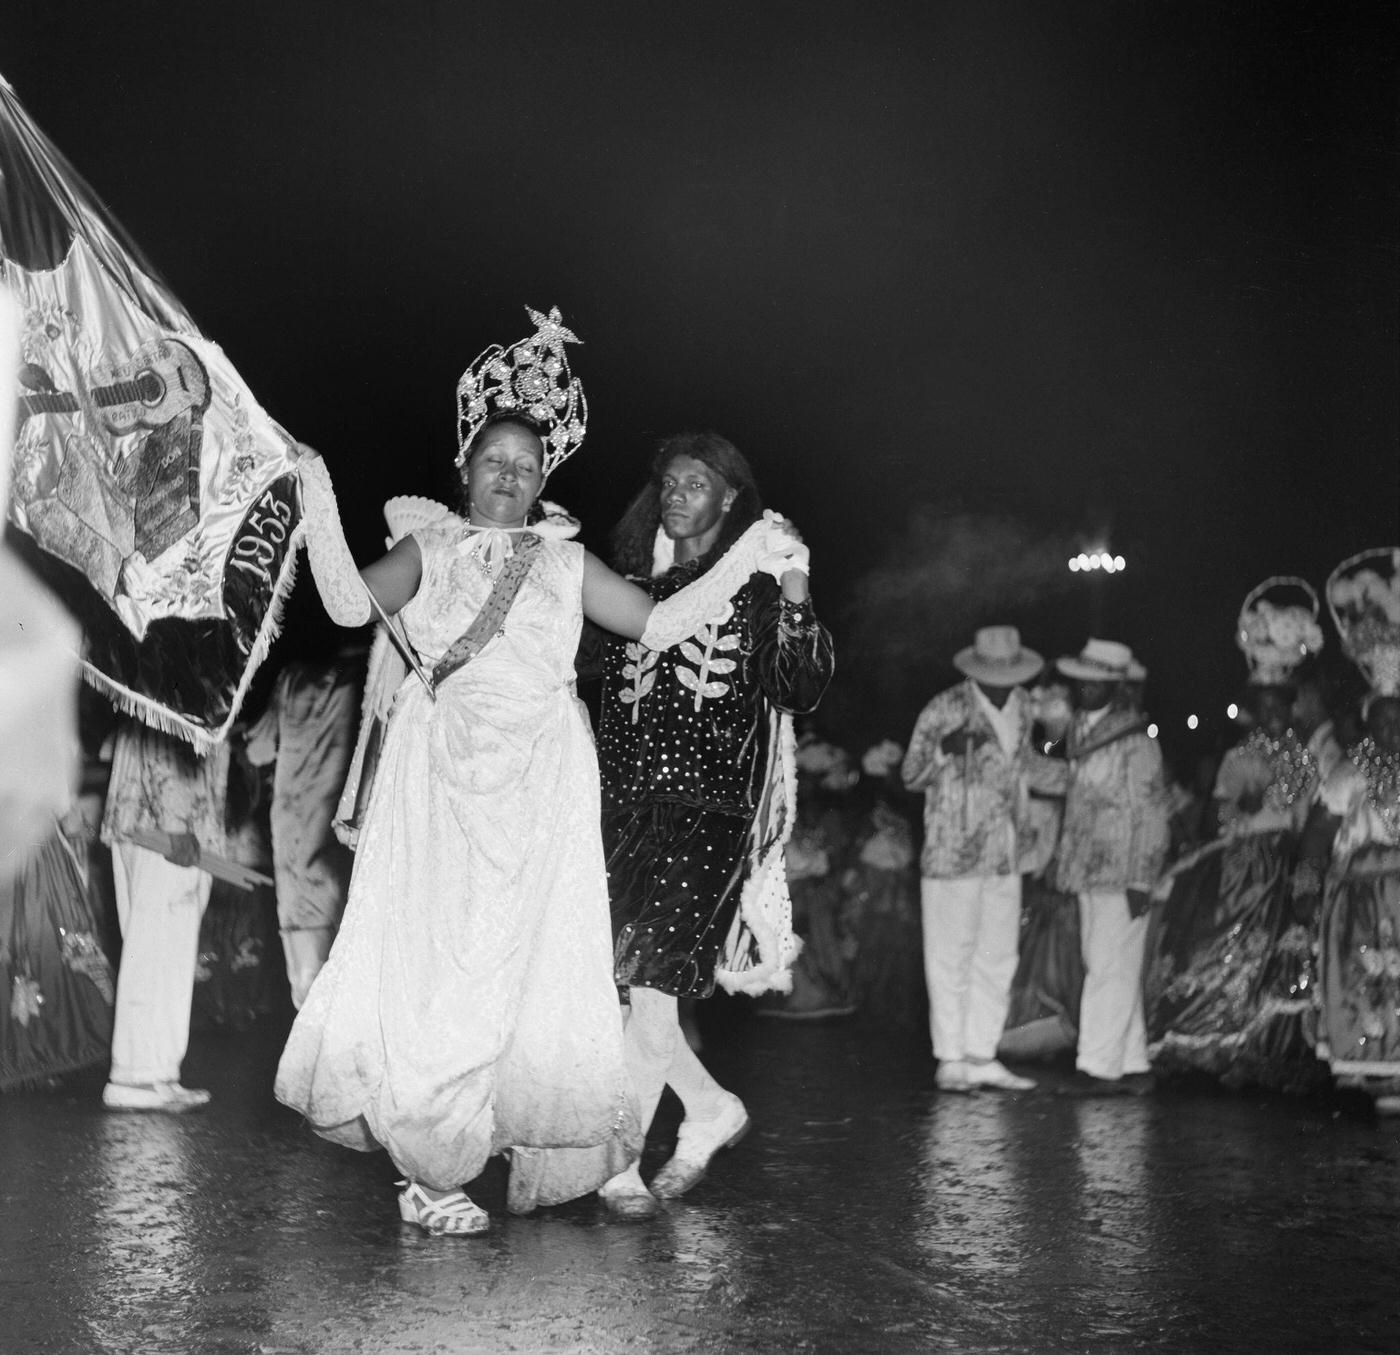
(1292, 768)
(1381, 771)
(490, 547)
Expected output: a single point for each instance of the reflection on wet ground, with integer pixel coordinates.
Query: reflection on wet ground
(867, 1212)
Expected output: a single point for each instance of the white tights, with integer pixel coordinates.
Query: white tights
(658, 1055)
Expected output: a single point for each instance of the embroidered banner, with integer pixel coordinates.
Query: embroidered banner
(154, 494)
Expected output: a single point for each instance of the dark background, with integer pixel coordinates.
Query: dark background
(976, 286)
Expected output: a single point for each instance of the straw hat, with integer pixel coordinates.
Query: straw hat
(998, 658)
(1098, 661)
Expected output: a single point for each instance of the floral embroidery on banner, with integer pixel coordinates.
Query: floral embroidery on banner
(245, 468)
(698, 679)
(191, 586)
(640, 670)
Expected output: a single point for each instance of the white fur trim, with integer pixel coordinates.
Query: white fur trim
(765, 906)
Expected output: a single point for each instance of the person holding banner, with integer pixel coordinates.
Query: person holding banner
(467, 1007)
(164, 816)
(307, 733)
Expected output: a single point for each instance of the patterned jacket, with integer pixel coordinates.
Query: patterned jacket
(1115, 832)
(158, 784)
(976, 811)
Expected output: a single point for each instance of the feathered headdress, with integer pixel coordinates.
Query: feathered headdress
(531, 378)
(1276, 631)
(1363, 595)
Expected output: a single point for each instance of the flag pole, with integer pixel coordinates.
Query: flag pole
(399, 643)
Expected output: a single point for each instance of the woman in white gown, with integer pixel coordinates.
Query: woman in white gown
(468, 1006)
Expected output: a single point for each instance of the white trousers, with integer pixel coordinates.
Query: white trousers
(306, 950)
(972, 930)
(159, 906)
(1112, 1036)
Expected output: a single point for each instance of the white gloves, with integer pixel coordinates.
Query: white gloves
(343, 593)
(784, 551)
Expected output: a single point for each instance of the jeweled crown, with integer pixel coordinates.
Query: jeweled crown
(531, 378)
(1276, 631)
(1363, 595)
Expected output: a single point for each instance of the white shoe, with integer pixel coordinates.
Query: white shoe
(451, 1215)
(952, 1076)
(170, 1097)
(698, 1142)
(997, 1075)
(627, 1199)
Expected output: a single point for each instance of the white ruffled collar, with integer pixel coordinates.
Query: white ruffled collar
(493, 546)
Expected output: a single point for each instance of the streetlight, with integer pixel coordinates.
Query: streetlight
(1098, 563)
(1099, 559)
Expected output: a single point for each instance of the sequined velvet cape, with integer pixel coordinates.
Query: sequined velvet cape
(683, 745)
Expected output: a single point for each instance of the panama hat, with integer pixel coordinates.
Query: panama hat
(1098, 661)
(998, 658)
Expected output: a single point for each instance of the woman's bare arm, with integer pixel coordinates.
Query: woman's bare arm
(394, 577)
(611, 601)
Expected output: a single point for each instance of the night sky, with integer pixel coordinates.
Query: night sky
(975, 286)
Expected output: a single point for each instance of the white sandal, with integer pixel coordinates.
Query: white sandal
(454, 1215)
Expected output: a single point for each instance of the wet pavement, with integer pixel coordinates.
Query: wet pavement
(866, 1212)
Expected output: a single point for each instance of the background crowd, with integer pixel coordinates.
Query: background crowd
(1236, 918)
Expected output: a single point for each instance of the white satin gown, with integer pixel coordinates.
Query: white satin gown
(468, 1005)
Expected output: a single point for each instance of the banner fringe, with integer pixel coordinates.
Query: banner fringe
(165, 720)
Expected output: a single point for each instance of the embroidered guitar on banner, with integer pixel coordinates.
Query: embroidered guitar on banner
(162, 389)
(162, 380)
(142, 461)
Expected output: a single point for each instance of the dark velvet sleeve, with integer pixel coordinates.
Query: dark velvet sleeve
(790, 651)
(592, 652)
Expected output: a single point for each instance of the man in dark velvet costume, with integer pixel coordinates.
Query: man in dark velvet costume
(686, 747)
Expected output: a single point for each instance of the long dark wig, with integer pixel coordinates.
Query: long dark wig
(634, 537)
(495, 420)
